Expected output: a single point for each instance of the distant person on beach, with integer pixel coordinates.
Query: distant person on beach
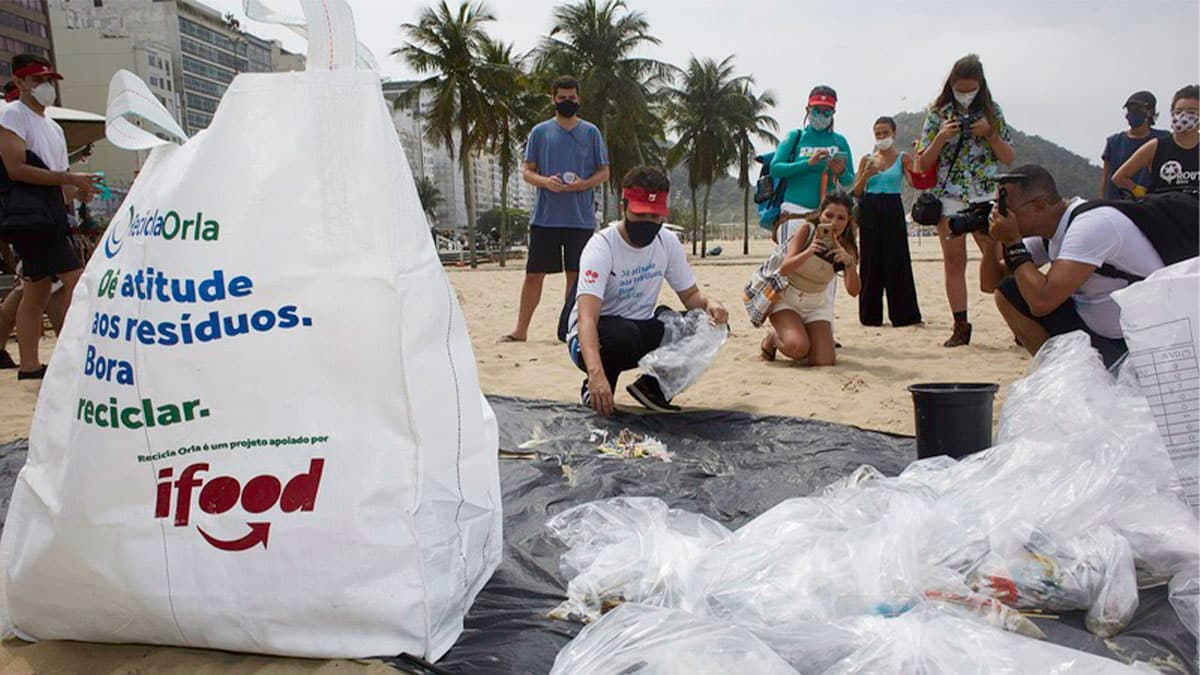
(1171, 161)
(1140, 113)
(566, 159)
(886, 265)
(966, 138)
(822, 245)
(614, 322)
(1092, 250)
(27, 134)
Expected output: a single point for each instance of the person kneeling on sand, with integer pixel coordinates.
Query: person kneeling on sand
(817, 250)
(614, 322)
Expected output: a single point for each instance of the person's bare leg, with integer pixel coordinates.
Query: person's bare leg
(954, 267)
(1029, 333)
(8, 315)
(790, 336)
(820, 336)
(60, 301)
(29, 321)
(531, 295)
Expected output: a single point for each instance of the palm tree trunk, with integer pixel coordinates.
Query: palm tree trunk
(503, 214)
(695, 221)
(468, 192)
(746, 220)
(704, 223)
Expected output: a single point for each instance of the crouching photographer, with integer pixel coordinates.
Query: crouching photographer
(1093, 248)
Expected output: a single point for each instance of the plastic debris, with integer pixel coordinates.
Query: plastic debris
(629, 445)
(689, 346)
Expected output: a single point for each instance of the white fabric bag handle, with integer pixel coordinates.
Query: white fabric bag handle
(130, 99)
(328, 25)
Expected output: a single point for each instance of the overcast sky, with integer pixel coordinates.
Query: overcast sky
(1061, 69)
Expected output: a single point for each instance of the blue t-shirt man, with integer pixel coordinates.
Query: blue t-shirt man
(1118, 148)
(571, 154)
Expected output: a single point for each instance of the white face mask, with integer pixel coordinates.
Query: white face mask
(965, 100)
(885, 144)
(45, 94)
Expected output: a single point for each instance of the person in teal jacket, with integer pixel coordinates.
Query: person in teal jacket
(812, 160)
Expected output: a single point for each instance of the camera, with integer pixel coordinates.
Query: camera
(965, 121)
(974, 218)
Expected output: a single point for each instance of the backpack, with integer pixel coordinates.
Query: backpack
(1169, 220)
(768, 193)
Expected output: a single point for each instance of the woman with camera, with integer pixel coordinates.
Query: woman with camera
(823, 245)
(966, 138)
(886, 264)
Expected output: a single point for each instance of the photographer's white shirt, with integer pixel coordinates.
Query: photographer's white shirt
(1102, 235)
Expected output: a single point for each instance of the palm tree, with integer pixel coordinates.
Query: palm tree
(447, 44)
(596, 43)
(513, 107)
(705, 113)
(753, 123)
(430, 196)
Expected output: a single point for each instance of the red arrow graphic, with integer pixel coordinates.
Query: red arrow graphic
(258, 534)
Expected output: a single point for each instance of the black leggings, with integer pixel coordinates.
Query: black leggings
(623, 342)
(885, 265)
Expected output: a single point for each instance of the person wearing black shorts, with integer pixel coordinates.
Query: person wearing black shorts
(1063, 320)
(565, 160)
(26, 131)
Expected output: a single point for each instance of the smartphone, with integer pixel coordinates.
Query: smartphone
(825, 234)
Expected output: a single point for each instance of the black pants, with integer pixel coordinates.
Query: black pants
(623, 342)
(1064, 320)
(885, 265)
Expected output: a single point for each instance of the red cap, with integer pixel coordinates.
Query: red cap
(823, 100)
(643, 201)
(35, 69)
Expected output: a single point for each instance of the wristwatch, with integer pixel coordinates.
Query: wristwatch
(1016, 255)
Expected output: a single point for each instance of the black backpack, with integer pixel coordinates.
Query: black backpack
(1170, 220)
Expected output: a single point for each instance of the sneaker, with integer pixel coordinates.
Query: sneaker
(32, 374)
(662, 309)
(647, 392)
(6, 361)
(585, 394)
(961, 336)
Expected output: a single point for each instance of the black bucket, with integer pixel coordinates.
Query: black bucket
(953, 418)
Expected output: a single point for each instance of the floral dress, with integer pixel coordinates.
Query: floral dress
(972, 177)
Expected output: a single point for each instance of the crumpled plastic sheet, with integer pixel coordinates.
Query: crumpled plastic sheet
(689, 346)
(654, 641)
(1184, 594)
(1077, 499)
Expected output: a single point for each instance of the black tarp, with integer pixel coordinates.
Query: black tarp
(728, 466)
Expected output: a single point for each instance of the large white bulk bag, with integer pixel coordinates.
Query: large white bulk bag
(262, 428)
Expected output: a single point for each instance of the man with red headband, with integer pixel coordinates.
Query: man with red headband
(34, 153)
(614, 322)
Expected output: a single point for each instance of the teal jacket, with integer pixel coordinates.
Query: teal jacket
(804, 181)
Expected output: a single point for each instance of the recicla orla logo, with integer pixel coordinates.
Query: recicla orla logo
(218, 495)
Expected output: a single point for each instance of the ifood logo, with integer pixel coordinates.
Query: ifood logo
(221, 494)
(152, 223)
(1172, 173)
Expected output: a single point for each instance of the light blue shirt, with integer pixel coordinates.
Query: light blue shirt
(555, 150)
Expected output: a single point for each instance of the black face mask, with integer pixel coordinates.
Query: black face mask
(642, 232)
(567, 108)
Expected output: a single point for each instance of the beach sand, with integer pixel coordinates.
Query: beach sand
(865, 389)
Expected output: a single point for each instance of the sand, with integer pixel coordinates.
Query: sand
(866, 389)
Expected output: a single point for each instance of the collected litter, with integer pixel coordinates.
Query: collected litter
(630, 445)
(1077, 502)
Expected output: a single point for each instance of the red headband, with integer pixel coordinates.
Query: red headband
(823, 99)
(34, 69)
(642, 200)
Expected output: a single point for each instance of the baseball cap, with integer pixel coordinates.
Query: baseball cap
(1143, 97)
(823, 96)
(642, 200)
(36, 69)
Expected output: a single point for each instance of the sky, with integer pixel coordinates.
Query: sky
(1060, 69)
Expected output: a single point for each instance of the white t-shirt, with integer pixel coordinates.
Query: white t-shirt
(626, 279)
(41, 134)
(1101, 235)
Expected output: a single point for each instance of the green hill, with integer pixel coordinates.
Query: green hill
(1074, 174)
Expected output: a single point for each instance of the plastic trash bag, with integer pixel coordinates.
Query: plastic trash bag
(654, 641)
(689, 346)
(630, 549)
(1093, 572)
(1184, 594)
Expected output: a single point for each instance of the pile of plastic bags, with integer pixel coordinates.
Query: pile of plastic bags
(1076, 504)
(689, 346)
